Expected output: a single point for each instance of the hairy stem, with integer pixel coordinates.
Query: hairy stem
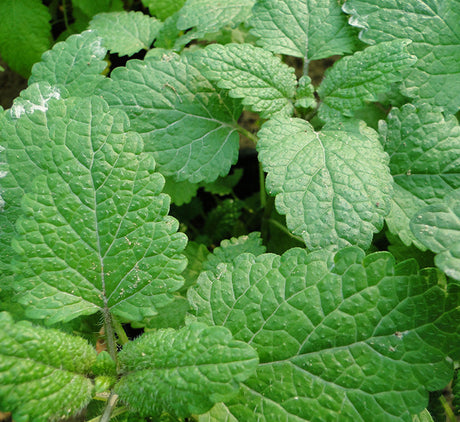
(284, 229)
(246, 133)
(110, 334)
(122, 337)
(111, 403)
(447, 409)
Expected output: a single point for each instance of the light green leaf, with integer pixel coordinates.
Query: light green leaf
(423, 416)
(305, 93)
(167, 36)
(95, 232)
(230, 249)
(125, 33)
(162, 9)
(75, 64)
(188, 125)
(434, 28)
(25, 33)
(219, 413)
(310, 29)
(183, 372)
(210, 15)
(265, 84)
(346, 337)
(333, 186)
(42, 371)
(362, 77)
(438, 228)
(424, 149)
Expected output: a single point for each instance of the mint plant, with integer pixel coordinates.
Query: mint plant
(336, 297)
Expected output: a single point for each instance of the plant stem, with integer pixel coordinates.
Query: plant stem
(447, 409)
(64, 12)
(284, 229)
(122, 337)
(111, 403)
(109, 333)
(246, 133)
(263, 195)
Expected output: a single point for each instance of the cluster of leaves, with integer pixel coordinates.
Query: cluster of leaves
(341, 328)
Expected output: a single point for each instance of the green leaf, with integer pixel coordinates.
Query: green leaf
(210, 16)
(25, 33)
(230, 249)
(42, 371)
(183, 372)
(362, 77)
(346, 337)
(162, 9)
(75, 64)
(125, 33)
(91, 7)
(310, 29)
(438, 228)
(95, 232)
(167, 35)
(434, 28)
(188, 125)
(224, 185)
(424, 149)
(180, 192)
(265, 84)
(196, 255)
(333, 186)
(305, 93)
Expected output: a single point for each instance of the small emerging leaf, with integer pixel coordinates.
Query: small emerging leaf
(183, 372)
(162, 9)
(42, 371)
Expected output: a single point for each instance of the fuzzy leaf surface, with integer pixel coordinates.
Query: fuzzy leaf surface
(210, 16)
(438, 228)
(75, 64)
(96, 233)
(424, 150)
(333, 186)
(25, 33)
(126, 33)
(346, 337)
(362, 77)
(265, 84)
(188, 125)
(183, 372)
(42, 371)
(434, 28)
(310, 29)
